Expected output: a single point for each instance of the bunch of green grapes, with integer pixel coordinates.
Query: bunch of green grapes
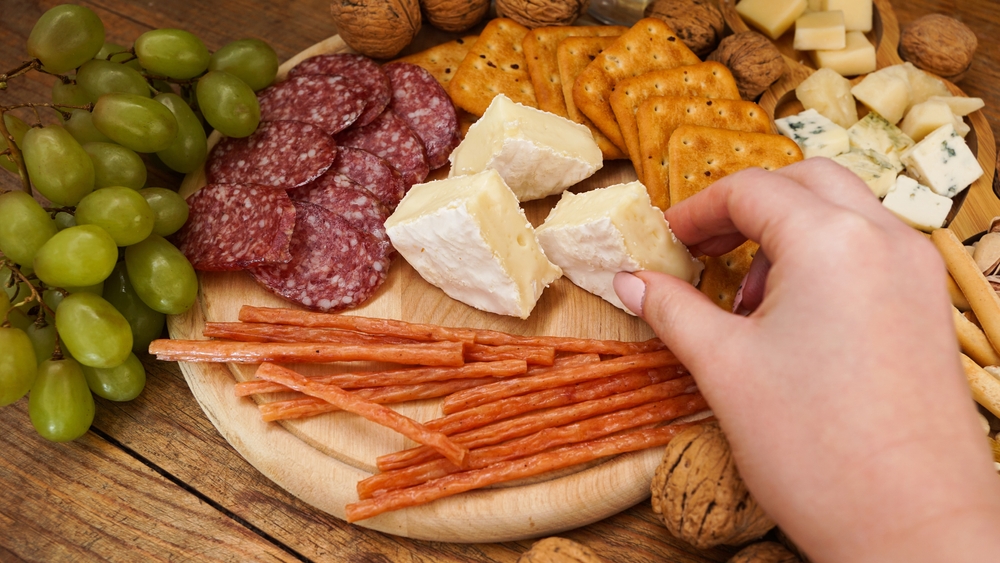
(88, 284)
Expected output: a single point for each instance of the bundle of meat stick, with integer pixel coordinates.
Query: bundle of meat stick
(511, 406)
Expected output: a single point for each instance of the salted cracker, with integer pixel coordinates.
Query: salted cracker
(573, 55)
(658, 116)
(708, 79)
(648, 45)
(442, 60)
(722, 276)
(495, 64)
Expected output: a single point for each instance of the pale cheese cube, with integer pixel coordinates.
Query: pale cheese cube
(943, 162)
(885, 93)
(876, 134)
(858, 57)
(537, 153)
(924, 118)
(814, 134)
(820, 30)
(771, 17)
(917, 205)
(595, 234)
(857, 13)
(874, 170)
(961, 127)
(813, 6)
(960, 105)
(923, 85)
(468, 236)
(829, 93)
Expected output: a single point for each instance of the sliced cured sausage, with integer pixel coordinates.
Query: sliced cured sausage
(282, 154)
(344, 197)
(392, 139)
(333, 103)
(233, 226)
(361, 70)
(423, 104)
(373, 173)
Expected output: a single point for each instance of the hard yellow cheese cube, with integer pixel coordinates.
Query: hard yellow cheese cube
(857, 13)
(820, 30)
(772, 17)
(858, 57)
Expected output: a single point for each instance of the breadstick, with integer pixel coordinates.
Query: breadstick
(973, 342)
(367, 409)
(957, 297)
(384, 327)
(982, 298)
(424, 353)
(985, 387)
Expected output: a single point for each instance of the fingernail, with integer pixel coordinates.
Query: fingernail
(631, 290)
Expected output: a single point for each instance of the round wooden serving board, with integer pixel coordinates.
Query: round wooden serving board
(321, 459)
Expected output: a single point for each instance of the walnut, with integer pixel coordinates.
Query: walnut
(940, 45)
(376, 28)
(698, 23)
(454, 15)
(754, 61)
(542, 13)
(559, 550)
(700, 496)
(764, 552)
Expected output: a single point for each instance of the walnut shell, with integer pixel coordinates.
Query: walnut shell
(376, 28)
(454, 15)
(559, 550)
(940, 45)
(754, 61)
(542, 13)
(698, 23)
(699, 494)
(764, 552)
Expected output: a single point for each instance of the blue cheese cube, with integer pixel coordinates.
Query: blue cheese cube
(943, 162)
(815, 134)
(873, 169)
(875, 133)
(917, 205)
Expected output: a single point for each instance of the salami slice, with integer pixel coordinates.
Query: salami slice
(392, 139)
(333, 103)
(373, 173)
(344, 197)
(361, 70)
(423, 104)
(334, 266)
(234, 226)
(283, 154)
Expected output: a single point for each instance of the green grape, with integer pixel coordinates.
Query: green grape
(98, 77)
(58, 166)
(4, 304)
(122, 212)
(64, 220)
(173, 53)
(120, 383)
(228, 104)
(81, 126)
(24, 226)
(139, 123)
(146, 324)
(69, 94)
(17, 129)
(161, 275)
(53, 297)
(60, 404)
(117, 54)
(43, 340)
(65, 37)
(17, 365)
(93, 331)
(75, 257)
(163, 87)
(251, 60)
(169, 207)
(189, 149)
(115, 165)
(18, 319)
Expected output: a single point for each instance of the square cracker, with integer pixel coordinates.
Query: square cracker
(494, 65)
(540, 51)
(648, 45)
(658, 116)
(708, 79)
(442, 61)
(699, 156)
(573, 55)
(723, 275)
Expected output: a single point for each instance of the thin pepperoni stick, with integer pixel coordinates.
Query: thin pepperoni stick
(265, 332)
(505, 471)
(427, 353)
(533, 422)
(548, 438)
(410, 376)
(363, 407)
(384, 327)
(555, 377)
(535, 355)
(567, 344)
(311, 406)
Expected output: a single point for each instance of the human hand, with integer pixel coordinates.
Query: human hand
(841, 393)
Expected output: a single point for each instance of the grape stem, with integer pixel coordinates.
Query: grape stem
(35, 296)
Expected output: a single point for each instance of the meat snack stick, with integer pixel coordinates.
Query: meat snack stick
(502, 472)
(367, 409)
(266, 332)
(368, 325)
(427, 353)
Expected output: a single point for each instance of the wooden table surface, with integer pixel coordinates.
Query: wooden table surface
(153, 480)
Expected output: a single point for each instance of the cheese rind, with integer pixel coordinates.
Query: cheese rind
(857, 13)
(917, 205)
(537, 153)
(873, 169)
(814, 134)
(596, 234)
(772, 17)
(943, 162)
(469, 237)
(876, 134)
(858, 57)
(820, 30)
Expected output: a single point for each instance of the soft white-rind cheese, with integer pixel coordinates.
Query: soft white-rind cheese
(814, 134)
(469, 237)
(537, 153)
(943, 162)
(917, 205)
(596, 234)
